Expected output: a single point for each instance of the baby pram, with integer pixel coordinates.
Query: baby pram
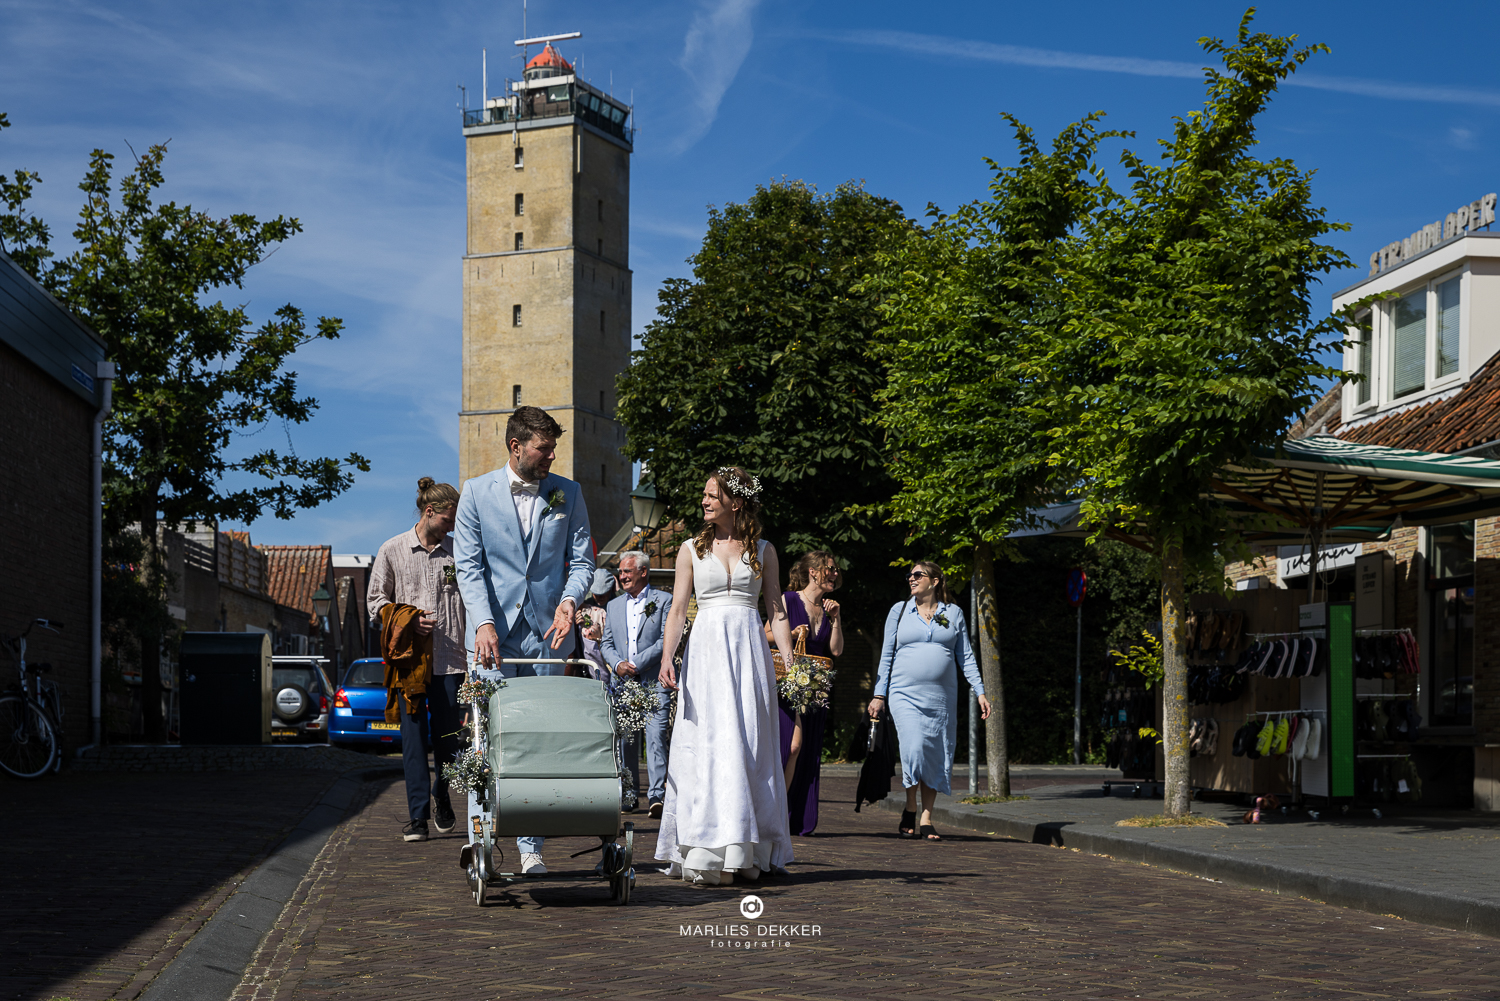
(551, 768)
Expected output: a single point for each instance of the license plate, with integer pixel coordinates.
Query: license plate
(284, 733)
(385, 726)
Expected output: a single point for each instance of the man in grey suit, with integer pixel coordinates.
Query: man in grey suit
(632, 645)
(525, 560)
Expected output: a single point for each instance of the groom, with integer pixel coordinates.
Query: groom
(525, 560)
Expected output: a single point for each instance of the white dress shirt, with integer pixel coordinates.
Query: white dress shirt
(635, 611)
(526, 496)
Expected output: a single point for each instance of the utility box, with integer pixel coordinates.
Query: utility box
(226, 688)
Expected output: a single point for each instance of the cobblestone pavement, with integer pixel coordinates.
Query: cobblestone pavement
(107, 875)
(971, 917)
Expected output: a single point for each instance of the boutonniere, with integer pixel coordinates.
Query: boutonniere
(450, 573)
(554, 499)
(651, 607)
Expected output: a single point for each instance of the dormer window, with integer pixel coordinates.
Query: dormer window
(1415, 344)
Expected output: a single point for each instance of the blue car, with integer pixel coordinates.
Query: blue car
(358, 718)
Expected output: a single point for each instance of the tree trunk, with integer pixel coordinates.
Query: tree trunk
(150, 641)
(998, 753)
(1174, 715)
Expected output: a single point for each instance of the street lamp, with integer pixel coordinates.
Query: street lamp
(321, 600)
(646, 508)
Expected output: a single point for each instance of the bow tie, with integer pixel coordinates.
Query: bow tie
(534, 489)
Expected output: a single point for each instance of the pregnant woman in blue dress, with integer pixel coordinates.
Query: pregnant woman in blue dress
(926, 641)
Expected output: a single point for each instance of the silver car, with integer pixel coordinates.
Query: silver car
(300, 698)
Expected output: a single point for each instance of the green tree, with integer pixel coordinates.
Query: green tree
(1189, 339)
(760, 359)
(959, 302)
(193, 371)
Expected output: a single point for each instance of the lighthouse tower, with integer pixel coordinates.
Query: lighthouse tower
(546, 317)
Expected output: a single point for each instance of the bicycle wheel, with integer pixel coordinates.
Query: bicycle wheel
(28, 740)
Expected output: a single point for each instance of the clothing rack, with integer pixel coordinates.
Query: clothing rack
(1290, 712)
(1361, 757)
(1382, 632)
(1301, 634)
(1385, 695)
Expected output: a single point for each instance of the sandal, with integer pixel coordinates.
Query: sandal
(930, 833)
(908, 828)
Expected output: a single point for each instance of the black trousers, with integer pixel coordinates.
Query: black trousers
(434, 724)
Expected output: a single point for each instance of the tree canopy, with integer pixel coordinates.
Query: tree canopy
(761, 359)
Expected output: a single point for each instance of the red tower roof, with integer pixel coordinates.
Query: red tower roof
(550, 57)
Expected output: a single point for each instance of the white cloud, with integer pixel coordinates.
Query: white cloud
(1017, 55)
(716, 45)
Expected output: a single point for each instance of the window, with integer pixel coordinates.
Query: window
(515, 315)
(520, 243)
(601, 401)
(1409, 344)
(520, 204)
(601, 210)
(520, 156)
(1366, 360)
(515, 396)
(601, 321)
(603, 480)
(1447, 328)
(1450, 623)
(601, 247)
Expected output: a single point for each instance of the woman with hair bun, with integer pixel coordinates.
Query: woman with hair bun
(725, 812)
(926, 640)
(812, 579)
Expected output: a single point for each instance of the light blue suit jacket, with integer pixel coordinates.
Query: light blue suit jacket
(503, 578)
(615, 643)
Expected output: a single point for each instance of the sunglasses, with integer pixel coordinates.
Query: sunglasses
(918, 575)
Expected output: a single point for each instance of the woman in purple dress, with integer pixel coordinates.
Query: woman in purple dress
(812, 578)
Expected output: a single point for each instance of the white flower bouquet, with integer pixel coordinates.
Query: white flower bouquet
(633, 704)
(807, 684)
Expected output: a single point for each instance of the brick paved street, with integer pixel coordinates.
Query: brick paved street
(108, 874)
(972, 917)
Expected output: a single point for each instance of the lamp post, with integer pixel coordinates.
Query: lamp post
(646, 509)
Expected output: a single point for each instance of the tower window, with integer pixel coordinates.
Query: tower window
(601, 321)
(601, 247)
(515, 315)
(520, 204)
(520, 156)
(601, 210)
(601, 401)
(515, 396)
(603, 480)
(520, 242)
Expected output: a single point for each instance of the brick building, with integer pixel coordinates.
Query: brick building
(50, 394)
(296, 574)
(1430, 363)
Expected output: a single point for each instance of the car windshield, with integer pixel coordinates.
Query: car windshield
(306, 677)
(366, 672)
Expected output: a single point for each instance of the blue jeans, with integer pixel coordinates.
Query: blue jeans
(418, 731)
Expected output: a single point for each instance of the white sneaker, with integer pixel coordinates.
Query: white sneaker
(531, 864)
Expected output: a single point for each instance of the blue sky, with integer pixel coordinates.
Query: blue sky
(344, 115)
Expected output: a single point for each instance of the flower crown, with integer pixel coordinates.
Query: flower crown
(731, 479)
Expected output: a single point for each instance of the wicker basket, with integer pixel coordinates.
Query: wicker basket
(799, 649)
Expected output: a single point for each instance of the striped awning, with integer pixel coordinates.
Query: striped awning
(1325, 481)
(1256, 527)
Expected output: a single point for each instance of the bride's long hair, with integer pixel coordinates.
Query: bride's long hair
(746, 519)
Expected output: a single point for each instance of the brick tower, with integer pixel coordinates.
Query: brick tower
(547, 275)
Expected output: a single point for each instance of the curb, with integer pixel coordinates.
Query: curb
(212, 963)
(1409, 903)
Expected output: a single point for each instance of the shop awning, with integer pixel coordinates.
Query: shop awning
(1256, 527)
(1324, 481)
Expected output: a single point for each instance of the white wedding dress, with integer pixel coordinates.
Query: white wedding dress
(726, 795)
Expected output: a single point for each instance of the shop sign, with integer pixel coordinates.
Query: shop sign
(1462, 221)
(1329, 558)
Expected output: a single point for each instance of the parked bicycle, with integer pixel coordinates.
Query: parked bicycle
(30, 713)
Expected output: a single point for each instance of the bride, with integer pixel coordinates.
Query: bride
(725, 810)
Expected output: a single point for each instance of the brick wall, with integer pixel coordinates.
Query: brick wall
(45, 440)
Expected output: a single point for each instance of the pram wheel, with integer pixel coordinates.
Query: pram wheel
(479, 888)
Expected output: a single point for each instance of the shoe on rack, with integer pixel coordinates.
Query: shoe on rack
(414, 831)
(656, 811)
(531, 864)
(442, 815)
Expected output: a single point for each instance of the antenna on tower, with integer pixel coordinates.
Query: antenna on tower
(484, 77)
(463, 104)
